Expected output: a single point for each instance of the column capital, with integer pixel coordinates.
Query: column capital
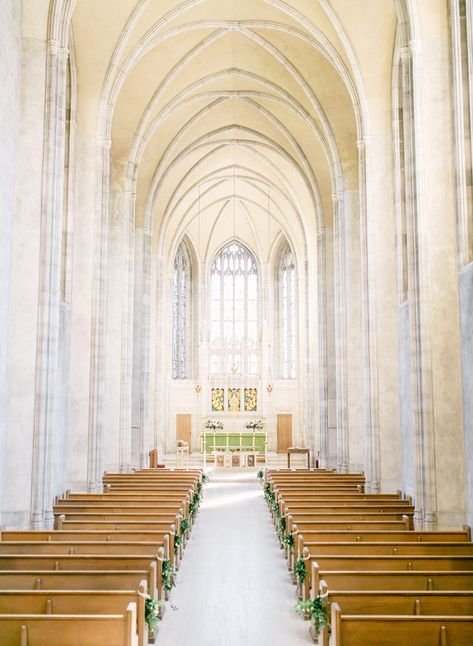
(103, 142)
(130, 195)
(363, 142)
(53, 47)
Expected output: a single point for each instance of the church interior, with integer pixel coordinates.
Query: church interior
(236, 322)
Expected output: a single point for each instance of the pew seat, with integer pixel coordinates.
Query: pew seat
(78, 602)
(398, 548)
(401, 602)
(393, 630)
(68, 630)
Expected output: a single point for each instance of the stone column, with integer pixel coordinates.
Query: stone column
(10, 70)
(339, 262)
(145, 353)
(368, 291)
(322, 367)
(50, 284)
(158, 322)
(127, 332)
(307, 412)
(99, 316)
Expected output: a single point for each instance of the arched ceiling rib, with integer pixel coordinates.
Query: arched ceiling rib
(193, 91)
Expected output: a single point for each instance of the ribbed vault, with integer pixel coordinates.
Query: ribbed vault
(210, 101)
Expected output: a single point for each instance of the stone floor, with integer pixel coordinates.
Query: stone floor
(233, 587)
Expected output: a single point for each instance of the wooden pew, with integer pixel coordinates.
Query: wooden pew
(89, 563)
(80, 630)
(81, 547)
(391, 580)
(359, 526)
(391, 630)
(120, 533)
(111, 526)
(401, 602)
(168, 517)
(408, 548)
(376, 566)
(313, 534)
(403, 563)
(98, 535)
(76, 580)
(78, 602)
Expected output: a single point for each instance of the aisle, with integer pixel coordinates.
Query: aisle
(233, 586)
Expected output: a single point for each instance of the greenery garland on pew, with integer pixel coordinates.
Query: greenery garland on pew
(260, 475)
(152, 607)
(205, 478)
(177, 543)
(300, 571)
(184, 526)
(286, 538)
(179, 538)
(194, 505)
(169, 574)
(316, 609)
(280, 527)
(268, 494)
(289, 541)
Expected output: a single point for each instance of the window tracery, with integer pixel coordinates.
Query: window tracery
(234, 312)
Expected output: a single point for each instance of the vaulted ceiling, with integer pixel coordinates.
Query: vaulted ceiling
(218, 105)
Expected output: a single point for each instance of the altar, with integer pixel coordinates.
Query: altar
(234, 448)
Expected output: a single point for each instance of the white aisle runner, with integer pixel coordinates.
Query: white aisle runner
(233, 587)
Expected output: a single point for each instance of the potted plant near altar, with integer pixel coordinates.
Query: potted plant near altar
(255, 425)
(214, 425)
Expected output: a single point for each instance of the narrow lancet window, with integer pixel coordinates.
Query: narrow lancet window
(181, 315)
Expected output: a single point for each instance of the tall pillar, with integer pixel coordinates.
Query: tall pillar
(368, 291)
(99, 315)
(50, 285)
(339, 264)
(322, 358)
(126, 365)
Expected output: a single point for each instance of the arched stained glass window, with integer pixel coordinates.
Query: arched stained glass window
(234, 312)
(181, 314)
(287, 313)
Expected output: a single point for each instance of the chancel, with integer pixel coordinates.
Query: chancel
(236, 245)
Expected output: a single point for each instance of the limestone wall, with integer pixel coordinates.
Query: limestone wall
(466, 317)
(10, 54)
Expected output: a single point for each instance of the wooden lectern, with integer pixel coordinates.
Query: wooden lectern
(297, 449)
(153, 459)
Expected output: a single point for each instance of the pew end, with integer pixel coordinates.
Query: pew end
(335, 623)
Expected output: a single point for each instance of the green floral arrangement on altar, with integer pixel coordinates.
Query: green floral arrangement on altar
(214, 425)
(152, 607)
(316, 609)
(255, 425)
